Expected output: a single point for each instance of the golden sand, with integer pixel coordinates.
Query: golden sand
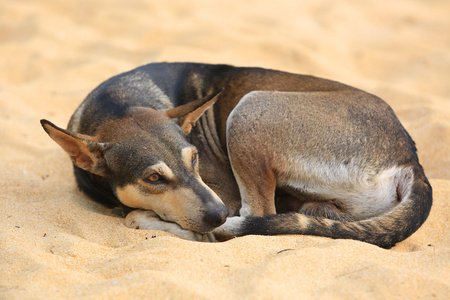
(57, 244)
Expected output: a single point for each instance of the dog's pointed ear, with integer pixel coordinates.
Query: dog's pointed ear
(189, 113)
(85, 152)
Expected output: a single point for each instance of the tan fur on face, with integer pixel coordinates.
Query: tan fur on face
(187, 153)
(161, 168)
(179, 205)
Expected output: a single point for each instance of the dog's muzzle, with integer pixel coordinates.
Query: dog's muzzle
(216, 217)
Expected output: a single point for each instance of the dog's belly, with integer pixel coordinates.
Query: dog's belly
(360, 196)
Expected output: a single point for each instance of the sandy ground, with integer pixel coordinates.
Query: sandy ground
(55, 243)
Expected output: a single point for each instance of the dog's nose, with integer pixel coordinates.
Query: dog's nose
(216, 217)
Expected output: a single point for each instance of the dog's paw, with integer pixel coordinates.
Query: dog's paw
(231, 228)
(145, 219)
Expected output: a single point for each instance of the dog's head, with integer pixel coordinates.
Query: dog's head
(149, 163)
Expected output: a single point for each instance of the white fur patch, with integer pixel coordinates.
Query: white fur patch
(245, 208)
(231, 227)
(363, 193)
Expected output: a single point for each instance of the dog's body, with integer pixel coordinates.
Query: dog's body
(280, 154)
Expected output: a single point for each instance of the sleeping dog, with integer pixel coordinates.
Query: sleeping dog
(222, 151)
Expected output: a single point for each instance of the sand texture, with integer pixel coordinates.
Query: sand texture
(55, 243)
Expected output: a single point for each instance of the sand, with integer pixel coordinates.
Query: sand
(57, 244)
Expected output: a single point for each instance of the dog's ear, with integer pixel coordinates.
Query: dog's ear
(189, 113)
(85, 152)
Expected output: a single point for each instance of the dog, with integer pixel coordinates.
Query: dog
(280, 153)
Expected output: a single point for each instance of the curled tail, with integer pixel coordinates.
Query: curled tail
(386, 230)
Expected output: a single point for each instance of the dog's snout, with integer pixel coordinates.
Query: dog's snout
(216, 217)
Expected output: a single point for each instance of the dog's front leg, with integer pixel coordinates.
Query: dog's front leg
(145, 219)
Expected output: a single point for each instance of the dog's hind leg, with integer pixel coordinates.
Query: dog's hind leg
(251, 157)
(345, 152)
(257, 195)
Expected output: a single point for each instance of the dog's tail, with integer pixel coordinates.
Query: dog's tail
(415, 199)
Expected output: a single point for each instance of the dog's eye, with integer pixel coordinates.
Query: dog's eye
(194, 157)
(154, 177)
